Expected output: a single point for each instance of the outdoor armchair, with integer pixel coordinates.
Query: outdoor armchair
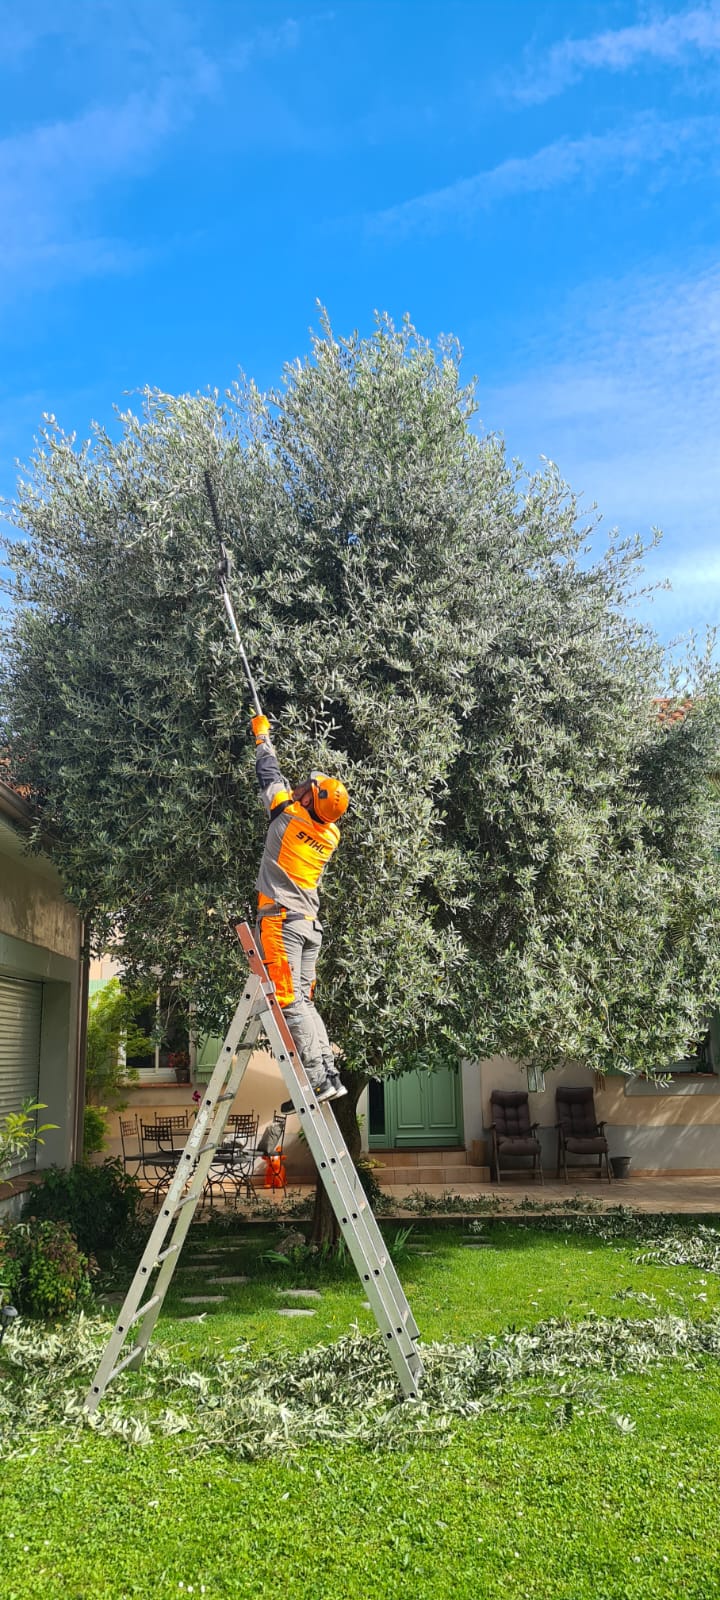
(513, 1134)
(579, 1132)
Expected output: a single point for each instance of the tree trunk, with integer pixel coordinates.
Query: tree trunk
(325, 1229)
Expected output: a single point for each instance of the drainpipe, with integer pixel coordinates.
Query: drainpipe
(76, 1152)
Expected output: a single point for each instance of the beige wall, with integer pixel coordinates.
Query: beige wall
(32, 904)
(40, 938)
(103, 968)
(674, 1129)
(261, 1091)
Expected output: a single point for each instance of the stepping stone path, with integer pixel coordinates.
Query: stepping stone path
(294, 1311)
(202, 1300)
(301, 1294)
(230, 1277)
(212, 1244)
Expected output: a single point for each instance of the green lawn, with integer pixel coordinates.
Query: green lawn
(508, 1504)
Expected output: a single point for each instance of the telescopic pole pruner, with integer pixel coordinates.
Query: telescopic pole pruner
(224, 574)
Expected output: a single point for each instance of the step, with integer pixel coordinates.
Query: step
(433, 1155)
(453, 1177)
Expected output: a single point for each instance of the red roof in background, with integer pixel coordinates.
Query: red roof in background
(20, 789)
(670, 710)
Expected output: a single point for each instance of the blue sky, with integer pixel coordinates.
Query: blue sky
(179, 184)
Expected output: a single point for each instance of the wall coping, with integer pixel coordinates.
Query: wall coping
(690, 1084)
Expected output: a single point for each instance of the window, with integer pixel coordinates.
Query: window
(165, 1024)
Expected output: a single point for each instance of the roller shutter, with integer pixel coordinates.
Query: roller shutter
(20, 1022)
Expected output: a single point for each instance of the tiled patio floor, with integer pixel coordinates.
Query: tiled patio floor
(698, 1194)
(642, 1194)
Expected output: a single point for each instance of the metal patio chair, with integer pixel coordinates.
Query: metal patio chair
(128, 1131)
(179, 1121)
(234, 1159)
(161, 1148)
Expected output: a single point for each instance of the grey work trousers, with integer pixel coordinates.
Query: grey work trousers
(290, 947)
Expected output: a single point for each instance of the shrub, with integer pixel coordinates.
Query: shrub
(19, 1131)
(94, 1130)
(97, 1203)
(112, 1025)
(366, 1173)
(42, 1267)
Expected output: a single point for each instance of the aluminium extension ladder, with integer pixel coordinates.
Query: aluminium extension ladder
(259, 1012)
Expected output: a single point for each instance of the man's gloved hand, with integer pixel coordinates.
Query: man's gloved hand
(261, 728)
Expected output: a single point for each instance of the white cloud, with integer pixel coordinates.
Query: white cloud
(646, 140)
(667, 40)
(51, 173)
(622, 393)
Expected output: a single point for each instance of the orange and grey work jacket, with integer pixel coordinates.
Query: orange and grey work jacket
(297, 847)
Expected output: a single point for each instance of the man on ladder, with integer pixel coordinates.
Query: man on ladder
(301, 838)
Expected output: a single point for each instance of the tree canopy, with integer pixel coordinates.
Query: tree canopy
(529, 864)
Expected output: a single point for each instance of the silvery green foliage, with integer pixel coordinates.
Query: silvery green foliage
(529, 861)
(340, 1394)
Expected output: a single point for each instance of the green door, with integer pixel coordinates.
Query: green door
(417, 1109)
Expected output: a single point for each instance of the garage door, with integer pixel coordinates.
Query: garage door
(20, 1020)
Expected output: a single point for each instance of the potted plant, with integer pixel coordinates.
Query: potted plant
(179, 1063)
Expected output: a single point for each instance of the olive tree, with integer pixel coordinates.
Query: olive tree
(529, 862)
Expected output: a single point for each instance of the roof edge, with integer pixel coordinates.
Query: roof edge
(12, 805)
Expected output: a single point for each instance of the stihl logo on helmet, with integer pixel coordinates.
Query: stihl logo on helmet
(330, 797)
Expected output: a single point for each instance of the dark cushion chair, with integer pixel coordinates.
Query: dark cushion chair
(513, 1134)
(579, 1132)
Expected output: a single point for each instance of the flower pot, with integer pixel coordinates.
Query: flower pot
(620, 1166)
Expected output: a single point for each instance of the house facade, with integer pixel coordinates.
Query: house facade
(43, 1000)
(436, 1123)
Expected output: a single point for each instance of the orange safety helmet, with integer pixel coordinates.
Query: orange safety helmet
(330, 797)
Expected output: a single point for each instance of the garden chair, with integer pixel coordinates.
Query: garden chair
(128, 1131)
(513, 1134)
(234, 1159)
(579, 1132)
(159, 1154)
(179, 1121)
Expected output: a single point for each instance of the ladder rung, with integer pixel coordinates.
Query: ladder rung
(172, 1250)
(141, 1312)
(186, 1201)
(203, 1151)
(138, 1350)
(229, 1096)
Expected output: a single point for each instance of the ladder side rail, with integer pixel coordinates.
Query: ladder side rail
(332, 1157)
(216, 1097)
(195, 1179)
(377, 1245)
(339, 1159)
